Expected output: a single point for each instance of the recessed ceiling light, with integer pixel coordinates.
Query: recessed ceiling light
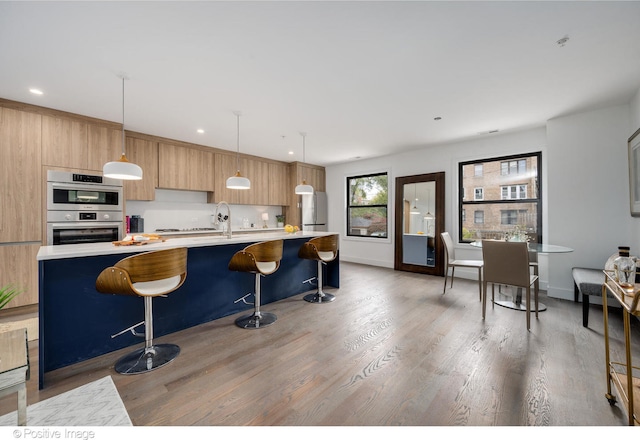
(36, 91)
(562, 41)
(290, 152)
(200, 130)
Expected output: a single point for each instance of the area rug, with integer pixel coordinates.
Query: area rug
(94, 404)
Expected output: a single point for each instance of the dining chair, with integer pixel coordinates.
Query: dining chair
(507, 263)
(451, 262)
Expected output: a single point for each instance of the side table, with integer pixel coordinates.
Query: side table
(14, 368)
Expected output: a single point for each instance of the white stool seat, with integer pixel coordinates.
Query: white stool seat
(158, 287)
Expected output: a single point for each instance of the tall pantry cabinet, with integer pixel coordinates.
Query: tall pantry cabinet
(20, 209)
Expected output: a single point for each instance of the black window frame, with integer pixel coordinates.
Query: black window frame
(476, 204)
(350, 206)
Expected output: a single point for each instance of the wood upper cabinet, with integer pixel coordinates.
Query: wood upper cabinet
(143, 153)
(105, 145)
(64, 142)
(314, 176)
(279, 186)
(21, 176)
(185, 168)
(256, 170)
(226, 166)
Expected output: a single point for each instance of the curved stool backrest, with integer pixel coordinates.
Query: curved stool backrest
(323, 248)
(263, 257)
(153, 266)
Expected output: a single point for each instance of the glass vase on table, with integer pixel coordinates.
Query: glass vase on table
(625, 269)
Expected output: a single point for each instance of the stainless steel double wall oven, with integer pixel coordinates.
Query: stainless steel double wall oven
(83, 208)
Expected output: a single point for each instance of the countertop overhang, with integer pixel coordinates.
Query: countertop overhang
(96, 249)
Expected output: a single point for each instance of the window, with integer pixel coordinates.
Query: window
(513, 217)
(507, 195)
(518, 166)
(477, 170)
(514, 192)
(367, 206)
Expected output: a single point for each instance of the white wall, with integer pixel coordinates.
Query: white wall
(588, 202)
(584, 181)
(427, 160)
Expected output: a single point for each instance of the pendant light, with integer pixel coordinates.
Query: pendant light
(304, 188)
(414, 209)
(122, 168)
(237, 181)
(428, 215)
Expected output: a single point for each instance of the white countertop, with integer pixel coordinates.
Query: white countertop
(215, 231)
(96, 249)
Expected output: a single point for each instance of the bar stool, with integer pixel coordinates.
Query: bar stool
(148, 275)
(260, 259)
(321, 249)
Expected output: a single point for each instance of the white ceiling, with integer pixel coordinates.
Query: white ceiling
(362, 79)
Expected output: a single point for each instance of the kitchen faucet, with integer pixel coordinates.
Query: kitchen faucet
(224, 218)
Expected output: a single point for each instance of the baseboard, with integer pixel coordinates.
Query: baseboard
(366, 261)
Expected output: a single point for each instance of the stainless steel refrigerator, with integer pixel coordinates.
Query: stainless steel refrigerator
(314, 212)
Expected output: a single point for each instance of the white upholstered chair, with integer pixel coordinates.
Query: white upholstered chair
(451, 262)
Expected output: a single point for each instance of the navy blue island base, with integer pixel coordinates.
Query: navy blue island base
(76, 321)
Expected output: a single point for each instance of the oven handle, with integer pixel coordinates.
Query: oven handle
(86, 224)
(84, 186)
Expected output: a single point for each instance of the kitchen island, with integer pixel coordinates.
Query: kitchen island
(76, 321)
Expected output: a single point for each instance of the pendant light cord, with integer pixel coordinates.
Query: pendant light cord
(123, 140)
(238, 141)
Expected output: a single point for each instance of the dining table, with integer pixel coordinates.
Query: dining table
(515, 302)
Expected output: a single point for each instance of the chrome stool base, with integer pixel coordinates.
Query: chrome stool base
(147, 359)
(254, 321)
(319, 298)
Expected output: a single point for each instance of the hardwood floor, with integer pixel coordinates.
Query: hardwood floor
(390, 350)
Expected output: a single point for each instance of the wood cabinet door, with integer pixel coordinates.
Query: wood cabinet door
(279, 186)
(185, 168)
(64, 142)
(105, 145)
(144, 153)
(21, 176)
(19, 267)
(258, 173)
(226, 166)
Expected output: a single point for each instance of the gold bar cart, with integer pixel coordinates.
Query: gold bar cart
(620, 374)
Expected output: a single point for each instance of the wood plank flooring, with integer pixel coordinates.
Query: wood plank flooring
(391, 350)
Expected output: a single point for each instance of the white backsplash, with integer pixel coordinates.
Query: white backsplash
(189, 209)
